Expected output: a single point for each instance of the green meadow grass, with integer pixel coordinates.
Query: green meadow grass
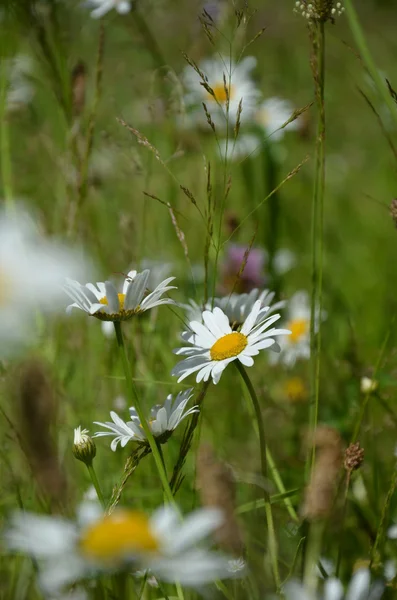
(119, 226)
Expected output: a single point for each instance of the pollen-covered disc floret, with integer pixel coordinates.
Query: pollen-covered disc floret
(104, 302)
(168, 547)
(214, 344)
(163, 420)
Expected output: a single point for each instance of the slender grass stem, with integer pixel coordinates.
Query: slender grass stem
(366, 56)
(339, 558)
(96, 484)
(317, 234)
(313, 551)
(134, 397)
(273, 548)
(382, 525)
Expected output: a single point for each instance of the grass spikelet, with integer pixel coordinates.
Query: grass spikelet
(79, 84)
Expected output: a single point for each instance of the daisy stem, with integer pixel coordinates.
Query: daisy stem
(133, 395)
(318, 41)
(273, 550)
(96, 484)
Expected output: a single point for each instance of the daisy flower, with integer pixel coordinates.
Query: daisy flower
(69, 551)
(246, 145)
(239, 87)
(237, 307)
(360, 588)
(214, 344)
(101, 7)
(104, 302)
(272, 114)
(164, 419)
(32, 270)
(296, 345)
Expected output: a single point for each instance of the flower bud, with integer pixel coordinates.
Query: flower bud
(84, 448)
(368, 386)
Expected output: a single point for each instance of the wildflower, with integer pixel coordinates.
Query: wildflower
(225, 85)
(360, 588)
(296, 345)
(319, 10)
(272, 114)
(84, 448)
(251, 276)
(70, 551)
(32, 270)
(164, 419)
(368, 386)
(104, 6)
(20, 89)
(245, 146)
(104, 302)
(108, 329)
(295, 389)
(215, 344)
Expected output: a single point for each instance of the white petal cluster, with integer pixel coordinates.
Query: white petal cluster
(101, 7)
(104, 302)
(214, 344)
(164, 419)
(181, 553)
(360, 588)
(32, 271)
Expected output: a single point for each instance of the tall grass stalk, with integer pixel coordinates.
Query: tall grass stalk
(318, 41)
(273, 546)
(134, 398)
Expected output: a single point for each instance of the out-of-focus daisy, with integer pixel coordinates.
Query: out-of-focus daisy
(272, 114)
(158, 271)
(69, 551)
(107, 328)
(101, 7)
(32, 270)
(20, 90)
(295, 389)
(104, 302)
(360, 588)
(246, 145)
(284, 260)
(297, 344)
(163, 420)
(236, 307)
(239, 87)
(215, 344)
(368, 385)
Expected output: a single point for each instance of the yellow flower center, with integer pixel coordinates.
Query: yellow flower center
(298, 328)
(220, 93)
(229, 345)
(104, 300)
(118, 535)
(295, 389)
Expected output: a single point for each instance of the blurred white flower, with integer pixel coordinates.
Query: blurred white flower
(32, 269)
(368, 386)
(104, 302)
(20, 90)
(296, 345)
(163, 420)
(360, 588)
(246, 145)
(69, 551)
(120, 403)
(284, 261)
(158, 271)
(272, 114)
(239, 86)
(214, 344)
(101, 7)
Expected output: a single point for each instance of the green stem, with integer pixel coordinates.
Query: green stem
(317, 236)
(338, 561)
(273, 550)
(312, 554)
(133, 395)
(96, 484)
(382, 525)
(366, 56)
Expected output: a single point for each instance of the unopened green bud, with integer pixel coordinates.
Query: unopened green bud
(84, 448)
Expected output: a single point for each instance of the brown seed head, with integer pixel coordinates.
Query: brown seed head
(354, 456)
